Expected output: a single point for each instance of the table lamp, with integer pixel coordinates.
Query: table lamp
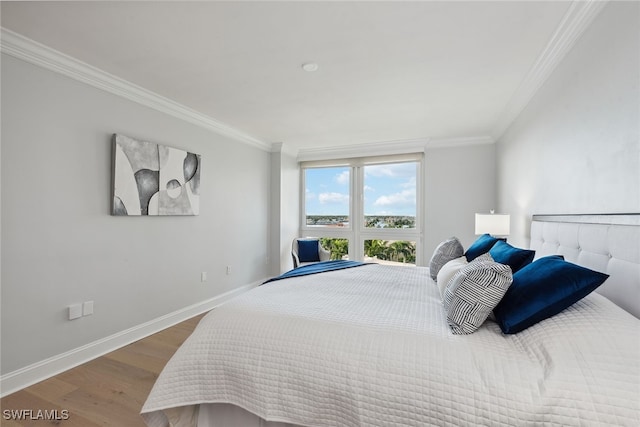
(493, 224)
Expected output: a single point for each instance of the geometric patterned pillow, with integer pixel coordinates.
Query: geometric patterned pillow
(474, 292)
(445, 252)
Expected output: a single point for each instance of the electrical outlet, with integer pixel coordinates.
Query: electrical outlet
(228, 270)
(203, 276)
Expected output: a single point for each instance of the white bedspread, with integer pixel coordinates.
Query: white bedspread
(370, 346)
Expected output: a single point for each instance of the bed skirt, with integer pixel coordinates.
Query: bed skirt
(228, 415)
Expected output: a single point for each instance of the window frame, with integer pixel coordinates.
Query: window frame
(356, 232)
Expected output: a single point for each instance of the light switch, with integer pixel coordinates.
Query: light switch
(75, 311)
(87, 308)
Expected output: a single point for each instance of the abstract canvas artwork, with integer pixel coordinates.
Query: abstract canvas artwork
(153, 179)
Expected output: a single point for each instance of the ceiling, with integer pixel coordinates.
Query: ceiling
(388, 71)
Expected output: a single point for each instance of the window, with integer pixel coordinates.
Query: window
(338, 247)
(390, 252)
(390, 195)
(365, 208)
(327, 196)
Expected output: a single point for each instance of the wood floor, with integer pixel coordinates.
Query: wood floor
(108, 391)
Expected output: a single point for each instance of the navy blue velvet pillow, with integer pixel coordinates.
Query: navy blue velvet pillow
(543, 289)
(308, 251)
(515, 258)
(480, 246)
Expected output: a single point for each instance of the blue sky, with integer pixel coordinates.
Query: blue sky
(389, 189)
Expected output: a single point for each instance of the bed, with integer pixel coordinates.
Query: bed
(371, 345)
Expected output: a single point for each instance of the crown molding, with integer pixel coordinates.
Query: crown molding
(464, 141)
(574, 23)
(387, 148)
(18, 46)
(279, 147)
(578, 17)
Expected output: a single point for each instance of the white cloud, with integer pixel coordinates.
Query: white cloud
(403, 198)
(333, 198)
(409, 184)
(342, 178)
(380, 170)
(368, 188)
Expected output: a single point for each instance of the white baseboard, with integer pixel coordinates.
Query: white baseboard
(39, 371)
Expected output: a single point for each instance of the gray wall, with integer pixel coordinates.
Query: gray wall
(459, 181)
(575, 148)
(285, 208)
(60, 245)
(290, 208)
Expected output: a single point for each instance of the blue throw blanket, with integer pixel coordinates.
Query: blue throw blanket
(318, 267)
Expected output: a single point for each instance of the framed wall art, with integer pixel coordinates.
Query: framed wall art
(153, 179)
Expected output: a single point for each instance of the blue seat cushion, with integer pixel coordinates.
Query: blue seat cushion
(308, 251)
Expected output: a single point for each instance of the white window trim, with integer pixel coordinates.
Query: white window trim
(356, 232)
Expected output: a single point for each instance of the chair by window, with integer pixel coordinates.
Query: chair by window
(307, 251)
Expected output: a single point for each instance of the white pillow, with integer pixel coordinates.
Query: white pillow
(449, 270)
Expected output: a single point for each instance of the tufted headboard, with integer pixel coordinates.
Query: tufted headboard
(609, 243)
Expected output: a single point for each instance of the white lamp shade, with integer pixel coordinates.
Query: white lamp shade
(495, 224)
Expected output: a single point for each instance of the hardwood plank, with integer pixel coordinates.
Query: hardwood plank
(107, 391)
(151, 356)
(52, 389)
(105, 410)
(172, 336)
